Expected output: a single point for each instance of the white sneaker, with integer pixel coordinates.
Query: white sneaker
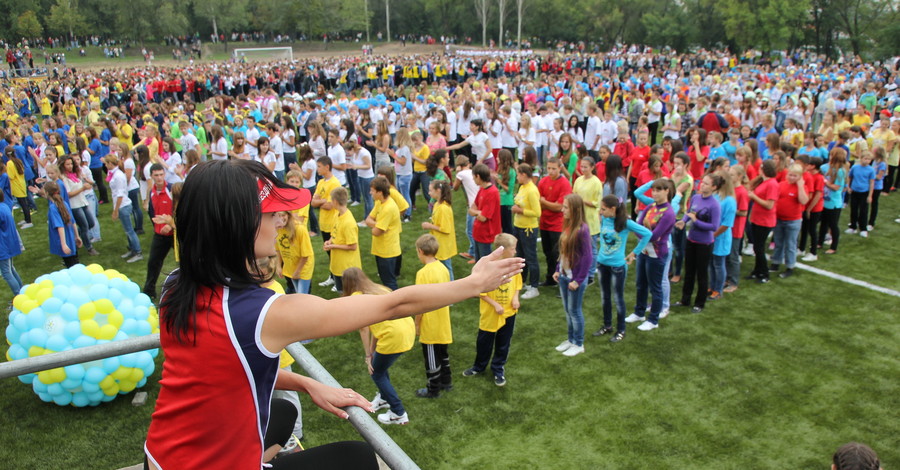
(664, 313)
(748, 250)
(810, 257)
(564, 346)
(334, 289)
(137, 257)
(127, 255)
(863, 234)
(327, 282)
(354, 204)
(870, 227)
(850, 231)
(530, 293)
(801, 254)
(379, 403)
(574, 351)
(647, 326)
(633, 318)
(361, 224)
(391, 418)
(26, 225)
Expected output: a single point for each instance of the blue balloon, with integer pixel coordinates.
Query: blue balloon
(110, 364)
(142, 300)
(75, 371)
(83, 341)
(90, 387)
(130, 327)
(94, 375)
(108, 398)
(96, 397)
(131, 290)
(144, 328)
(70, 384)
(99, 279)
(114, 296)
(62, 399)
(35, 318)
(17, 352)
(148, 369)
(128, 360)
(19, 319)
(69, 312)
(98, 291)
(13, 332)
(141, 383)
(80, 275)
(52, 305)
(28, 379)
(54, 389)
(72, 331)
(117, 283)
(45, 397)
(80, 399)
(78, 297)
(37, 337)
(57, 343)
(39, 387)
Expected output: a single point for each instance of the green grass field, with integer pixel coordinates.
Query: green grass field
(771, 377)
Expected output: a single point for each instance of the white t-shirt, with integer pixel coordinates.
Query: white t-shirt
(591, 132)
(189, 142)
(277, 147)
(288, 148)
(270, 158)
(529, 136)
(252, 136)
(338, 157)
(221, 146)
(405, 168)
(310, 166)
(363, 157)
(477, 141)
(468, 183)
(318, 148)
(508, 139)
(496, 128)
(133, 182)
(172, 163)
(119, 188)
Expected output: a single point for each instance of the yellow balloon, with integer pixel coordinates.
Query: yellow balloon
(104, 306)
(36, 351)
(28, 305)
(90, 328)
(57, 375)
(122, 373)
(110, 273)
(95, 268)
(111, 390)
(136, 375)
(107, 332)
(43, 295)
(44, 376)
(153, 320)
(8, 357)
(107, 382)
(20, 299)
(87, 311)
(32, 290)
(115, 318)
(127, 386)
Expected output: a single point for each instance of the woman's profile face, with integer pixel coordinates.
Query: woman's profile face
(265, 236)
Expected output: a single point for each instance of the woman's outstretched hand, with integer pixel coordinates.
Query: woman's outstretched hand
(493, 270)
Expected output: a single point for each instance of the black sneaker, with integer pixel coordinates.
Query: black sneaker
(470, 372)
(425, 393)
(446, 388)
(773, 268)
(617, 337)
(763, 280)
(787, 273)
(751, 276)
(696, 309)
(603, 331)
(499, 380)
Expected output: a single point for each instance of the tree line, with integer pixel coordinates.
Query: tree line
(870, 28)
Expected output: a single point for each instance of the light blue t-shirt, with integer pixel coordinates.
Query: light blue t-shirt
(880, 167)
(612, 243)
(729, 152)
(834, 199)
(722, 244)
(860, 176)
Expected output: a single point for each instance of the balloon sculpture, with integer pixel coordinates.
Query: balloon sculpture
(74, 308)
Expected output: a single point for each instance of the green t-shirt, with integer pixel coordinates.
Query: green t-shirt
(507, 198)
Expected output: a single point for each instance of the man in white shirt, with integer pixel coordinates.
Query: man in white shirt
(592, 132)
(510, 129)
(252, 138)
(608, 130)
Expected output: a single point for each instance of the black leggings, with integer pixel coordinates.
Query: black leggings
(859, 210)
(873, 208)
(696, 266)
(830, 222)
(810, 229)
(336, 456)
(760, 242)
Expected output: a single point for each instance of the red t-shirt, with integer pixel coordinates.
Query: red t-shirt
(743, 203)
(646, 176)
(553, 190)
(639, 158)
(697, 166)
(817, 184)
(488, 202)
(788, 206)
(601, 171)
(781, 175)
(767, 191)
(624, 150)
(752, 172)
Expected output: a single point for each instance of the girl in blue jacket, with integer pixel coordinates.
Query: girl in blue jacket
(10, 247)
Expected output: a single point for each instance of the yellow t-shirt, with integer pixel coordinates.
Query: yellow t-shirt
(394, 336)
(862, 120)
(345, 232)
(387, 245)
(503, 295)
(841, 126)
(442, 216)
(423, 153)
(16, 180)
(285, 359)
(293, 251)
(125, 133)
(529, 199)
(590, 190)
(323, 190)
(402, 205)
(46, 108)
(434, 327)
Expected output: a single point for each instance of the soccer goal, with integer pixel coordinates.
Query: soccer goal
(253, 54)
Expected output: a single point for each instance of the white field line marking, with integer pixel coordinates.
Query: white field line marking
(848, 280)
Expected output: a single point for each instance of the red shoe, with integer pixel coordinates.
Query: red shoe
(466, 255)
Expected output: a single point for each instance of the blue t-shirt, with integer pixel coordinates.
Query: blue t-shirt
(9, 237)
(880, 167)
(612, 243)
(54, 221)
(728, 208)
(729, 152)
(834, 199)
(860, 176)
(96, 157)
(717, 152)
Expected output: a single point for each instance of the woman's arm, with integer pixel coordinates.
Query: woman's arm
(328, 398)
(639, 193)
(299, 316)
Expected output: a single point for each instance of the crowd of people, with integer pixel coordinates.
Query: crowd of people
(702, 157)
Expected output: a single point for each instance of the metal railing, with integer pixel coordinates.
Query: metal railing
(384, 446)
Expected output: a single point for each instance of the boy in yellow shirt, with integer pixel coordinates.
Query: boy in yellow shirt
(344, 242)
(322, 200)
(385, 224)
(527, 211)
(435, 333)
(441, 223)
(498, 319)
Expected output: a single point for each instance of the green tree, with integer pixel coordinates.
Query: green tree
(66, 18)
(765, 24)
(28, 26)
(227, 15)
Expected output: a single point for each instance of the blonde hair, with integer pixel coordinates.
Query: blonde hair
(507, 241)
(427, 244)
(355, 280)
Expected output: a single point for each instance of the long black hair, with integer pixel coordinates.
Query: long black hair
(218, 217)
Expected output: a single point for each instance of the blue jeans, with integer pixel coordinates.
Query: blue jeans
(136, 212)
(92, 215)
(10, 275)
(387, 271)
(125, 217)
(366, 195)
(449, 265)
(608, 276)
(497, 341)
(353, 183)
(786, 233)
(403, 182)
(380, 365)
(733, 262)
(717, 273)
(679, 239)
(482, 250)
(420, 180)
(595, 248)
(649, 280)
(666, 285)
(470, 221)
(313, 220)
(527, 248)
(301, 286)
(572, 301)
